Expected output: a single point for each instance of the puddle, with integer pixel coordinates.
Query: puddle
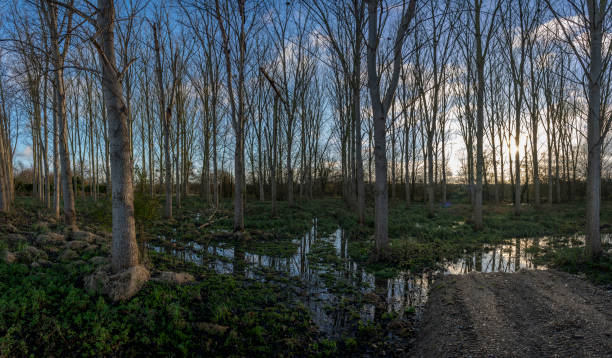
(500, 258)
(335, 307)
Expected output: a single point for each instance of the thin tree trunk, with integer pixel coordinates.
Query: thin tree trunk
(56, 165)
(357, 108)
(380, 109)
(593, 189)
(50, 12)
(477, 215)
(237, 109)
(274, 155)
(165, 113)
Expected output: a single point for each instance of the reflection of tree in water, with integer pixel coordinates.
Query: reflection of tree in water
(517, 255)
(239, 259)
(509, 257)
(407, 290)
(333, 308)
(536, 244)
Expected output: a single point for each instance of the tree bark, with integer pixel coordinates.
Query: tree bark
(237, 109)
(593, 190)
(124, 250)
(480, 62)
(165, 113)
(58, 56)
(380, 108)
(360, 16)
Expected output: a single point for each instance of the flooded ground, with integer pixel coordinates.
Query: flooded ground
(337, 291)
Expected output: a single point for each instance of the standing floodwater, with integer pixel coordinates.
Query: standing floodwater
(336, 290)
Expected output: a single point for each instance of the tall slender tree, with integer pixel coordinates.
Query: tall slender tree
(380, 107)
(49, 10)
(124, 250)
(481, 53)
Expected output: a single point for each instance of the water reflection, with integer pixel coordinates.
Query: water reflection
(367, 296)
(500, 258)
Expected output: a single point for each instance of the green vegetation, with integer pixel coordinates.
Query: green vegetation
(46, 310)
(572, 260)
(568, 255)
(419, 243)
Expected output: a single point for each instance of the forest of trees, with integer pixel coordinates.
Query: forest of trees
(286, 100)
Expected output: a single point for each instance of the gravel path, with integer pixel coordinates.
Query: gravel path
(524, 314)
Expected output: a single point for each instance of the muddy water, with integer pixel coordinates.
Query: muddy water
(368, 297)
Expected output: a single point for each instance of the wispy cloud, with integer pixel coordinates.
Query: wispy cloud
(24, 154)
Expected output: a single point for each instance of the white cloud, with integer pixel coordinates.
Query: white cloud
(25, 153)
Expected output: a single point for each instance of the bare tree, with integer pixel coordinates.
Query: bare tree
(49, 9)
(6, 149)
(481, 53)
(124, 251)
(594, 17)
(166, 102)
(526, 23)
(326, 14)
(380, 107)
(224, 14)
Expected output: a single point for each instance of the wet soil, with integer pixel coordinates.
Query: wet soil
(523, 314)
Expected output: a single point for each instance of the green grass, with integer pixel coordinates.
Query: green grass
(419, 243)
(46, 311)
(572, 260)
(569, 255)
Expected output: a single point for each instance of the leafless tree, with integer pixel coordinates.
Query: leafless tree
(380, 108)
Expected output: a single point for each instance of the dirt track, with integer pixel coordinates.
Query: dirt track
(524, 314)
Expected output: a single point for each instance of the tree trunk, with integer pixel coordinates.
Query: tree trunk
(549, 138)
(57, 57)
(107, 148)
(501, 162)
(66, 172)
(56, 165)
(357, 110)
(237, 109)
(165, 113)
(534, 158)
(274, 156)
(381, 214)
(124, 250)
(517, 165)
(393, 140)
(477, 214)
(46, 147)
(406, 149)
(380, 109)
(593, 189)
